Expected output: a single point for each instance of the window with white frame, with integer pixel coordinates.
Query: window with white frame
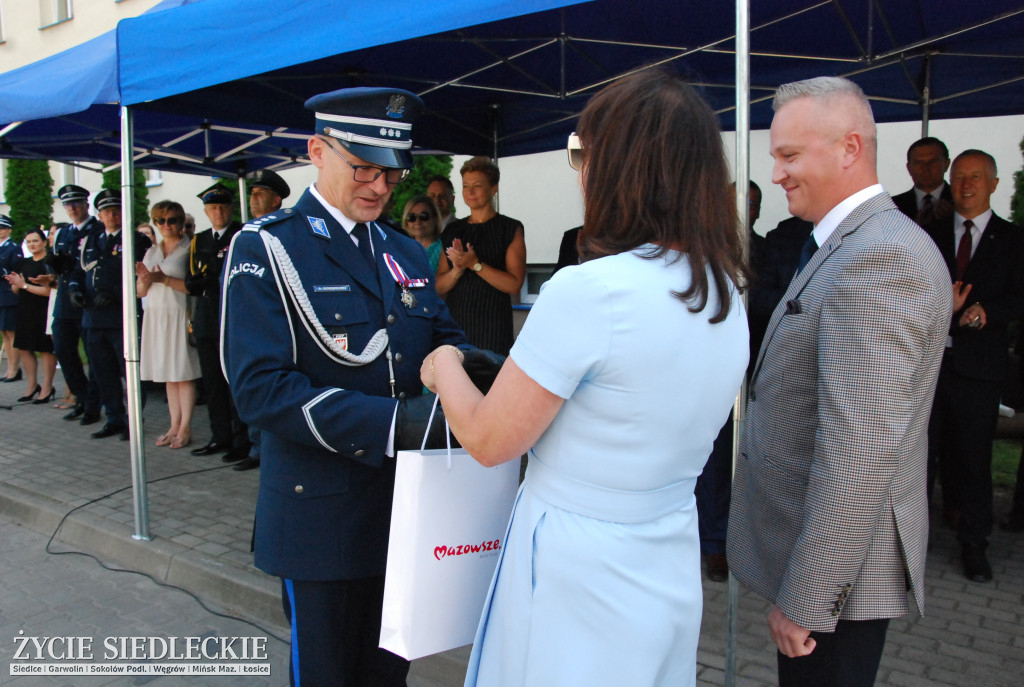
(154, 177)
(53, 12)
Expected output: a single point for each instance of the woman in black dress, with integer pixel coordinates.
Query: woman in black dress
(30, 282)
(486, 261)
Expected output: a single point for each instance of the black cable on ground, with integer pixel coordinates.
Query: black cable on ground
(146, 575)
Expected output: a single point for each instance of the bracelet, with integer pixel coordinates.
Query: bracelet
(441, 348)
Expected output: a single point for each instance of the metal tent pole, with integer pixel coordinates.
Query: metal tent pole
(140, 497)
(243, 198)
(743, 210)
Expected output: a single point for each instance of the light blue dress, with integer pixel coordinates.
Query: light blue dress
(599, 577)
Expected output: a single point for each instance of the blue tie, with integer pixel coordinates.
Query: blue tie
(806, 253)
(362, 234)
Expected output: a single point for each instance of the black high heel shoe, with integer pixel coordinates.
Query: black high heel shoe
(15, 378)
(32, 395)
(41, 400)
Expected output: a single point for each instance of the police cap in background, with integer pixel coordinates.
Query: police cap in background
(218, 194)
(374, 124)
(71, 193)
(107, 198)
(266, 178)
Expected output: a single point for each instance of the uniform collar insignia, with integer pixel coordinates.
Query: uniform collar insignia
(319, 227)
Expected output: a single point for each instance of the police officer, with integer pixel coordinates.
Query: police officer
(67, 319)
(268, 192)
(96, 286)
(328, 316)
(206, 261)
(10, 257)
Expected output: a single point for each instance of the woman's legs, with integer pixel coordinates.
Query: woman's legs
(13, 357)
(186, 393)
(28, 364)
(174, 408)
(49, 363)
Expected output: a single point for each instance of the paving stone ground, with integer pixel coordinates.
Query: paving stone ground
(200, 516)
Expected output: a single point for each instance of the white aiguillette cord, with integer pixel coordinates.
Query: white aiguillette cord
(447, 432)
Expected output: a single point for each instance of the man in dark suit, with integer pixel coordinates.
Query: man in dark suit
(96, 285)
(328, 316)
(985, 257)
(206, 262)
(67, 319)
(829, 517)
(929, 200)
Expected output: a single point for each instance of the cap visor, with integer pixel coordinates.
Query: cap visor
(384, 157)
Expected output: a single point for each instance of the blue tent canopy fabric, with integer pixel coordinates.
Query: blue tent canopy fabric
(510, 78)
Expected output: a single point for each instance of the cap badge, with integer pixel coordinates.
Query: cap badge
(396, 106)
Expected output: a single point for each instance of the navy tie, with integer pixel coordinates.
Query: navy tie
(809, 247)
(362, 234)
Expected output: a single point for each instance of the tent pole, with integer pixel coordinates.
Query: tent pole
(140, 497)
(243, 198)
(742, 187)
(926, 96)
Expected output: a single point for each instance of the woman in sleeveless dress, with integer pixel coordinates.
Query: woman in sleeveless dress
(165, 353)
(486, 261)
(625, 370)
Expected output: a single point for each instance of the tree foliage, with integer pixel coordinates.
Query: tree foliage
(29, 193)
(1017, 200)
(140, 208)
(416, 183)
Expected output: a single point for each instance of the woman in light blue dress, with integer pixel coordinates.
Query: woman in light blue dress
(618, 384)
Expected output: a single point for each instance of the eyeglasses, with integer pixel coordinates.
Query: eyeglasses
(367, 174)
(575, 149)
(423, 217)
(169, 220)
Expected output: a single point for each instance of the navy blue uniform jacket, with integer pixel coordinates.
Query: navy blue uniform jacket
(324, 504)
(99, 271)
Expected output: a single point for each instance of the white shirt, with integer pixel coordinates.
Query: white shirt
(936, 195)
(835, 216)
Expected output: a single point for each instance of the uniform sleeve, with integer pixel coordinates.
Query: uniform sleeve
(567, 334)
(258, 351)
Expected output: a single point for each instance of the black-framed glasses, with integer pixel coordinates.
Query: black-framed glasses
(169, 220)
(423, 217)
(575, 149)
(367, 174)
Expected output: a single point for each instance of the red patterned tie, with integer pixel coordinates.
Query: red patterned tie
(963, 251)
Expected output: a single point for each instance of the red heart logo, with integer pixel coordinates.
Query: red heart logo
(440, 551)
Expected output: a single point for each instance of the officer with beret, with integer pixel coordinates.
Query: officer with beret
(10, 257)
(67, 319)
(96, 286)
(206, 261)
(327, 318)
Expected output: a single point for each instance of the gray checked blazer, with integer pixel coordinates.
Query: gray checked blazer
(829, 516)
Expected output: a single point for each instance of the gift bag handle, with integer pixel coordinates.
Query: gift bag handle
(447, 432)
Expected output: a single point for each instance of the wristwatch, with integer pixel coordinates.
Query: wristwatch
(477, 266)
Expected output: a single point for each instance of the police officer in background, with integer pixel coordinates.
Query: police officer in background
(96, 286)
(67, 319)
(328, 316)
(268, 192)
(206, 261)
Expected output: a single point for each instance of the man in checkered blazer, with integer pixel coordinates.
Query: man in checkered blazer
(829, 516)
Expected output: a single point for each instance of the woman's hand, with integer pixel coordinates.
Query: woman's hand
(16, 280)
(435, 361)
(462, 258)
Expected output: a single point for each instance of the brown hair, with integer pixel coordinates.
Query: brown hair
(654, 171)
(482, 163)
(168, 207)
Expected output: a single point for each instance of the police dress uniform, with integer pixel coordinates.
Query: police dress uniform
(296, 284)
(205, 264)
(10, 257)
(67, 317)
(99, 277)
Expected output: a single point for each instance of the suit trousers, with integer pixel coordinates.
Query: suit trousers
(335, 634)
(848, 657)
(66, 334)
(960, 434)
(225, 426)
(713, 491)
(106, 358)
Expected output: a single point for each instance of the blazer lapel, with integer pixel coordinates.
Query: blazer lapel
(988, 248)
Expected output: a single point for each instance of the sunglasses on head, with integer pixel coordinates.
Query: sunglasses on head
(169, 220)
(423, 217)
(575, 149)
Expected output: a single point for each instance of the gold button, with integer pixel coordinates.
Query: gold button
(298, 489)
(360, 453)
(337, 316)
(391, 319)
(426, 310)
(398, 357)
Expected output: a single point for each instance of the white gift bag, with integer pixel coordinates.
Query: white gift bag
(448, 523)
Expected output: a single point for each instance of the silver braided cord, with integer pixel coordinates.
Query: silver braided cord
(377, 345)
